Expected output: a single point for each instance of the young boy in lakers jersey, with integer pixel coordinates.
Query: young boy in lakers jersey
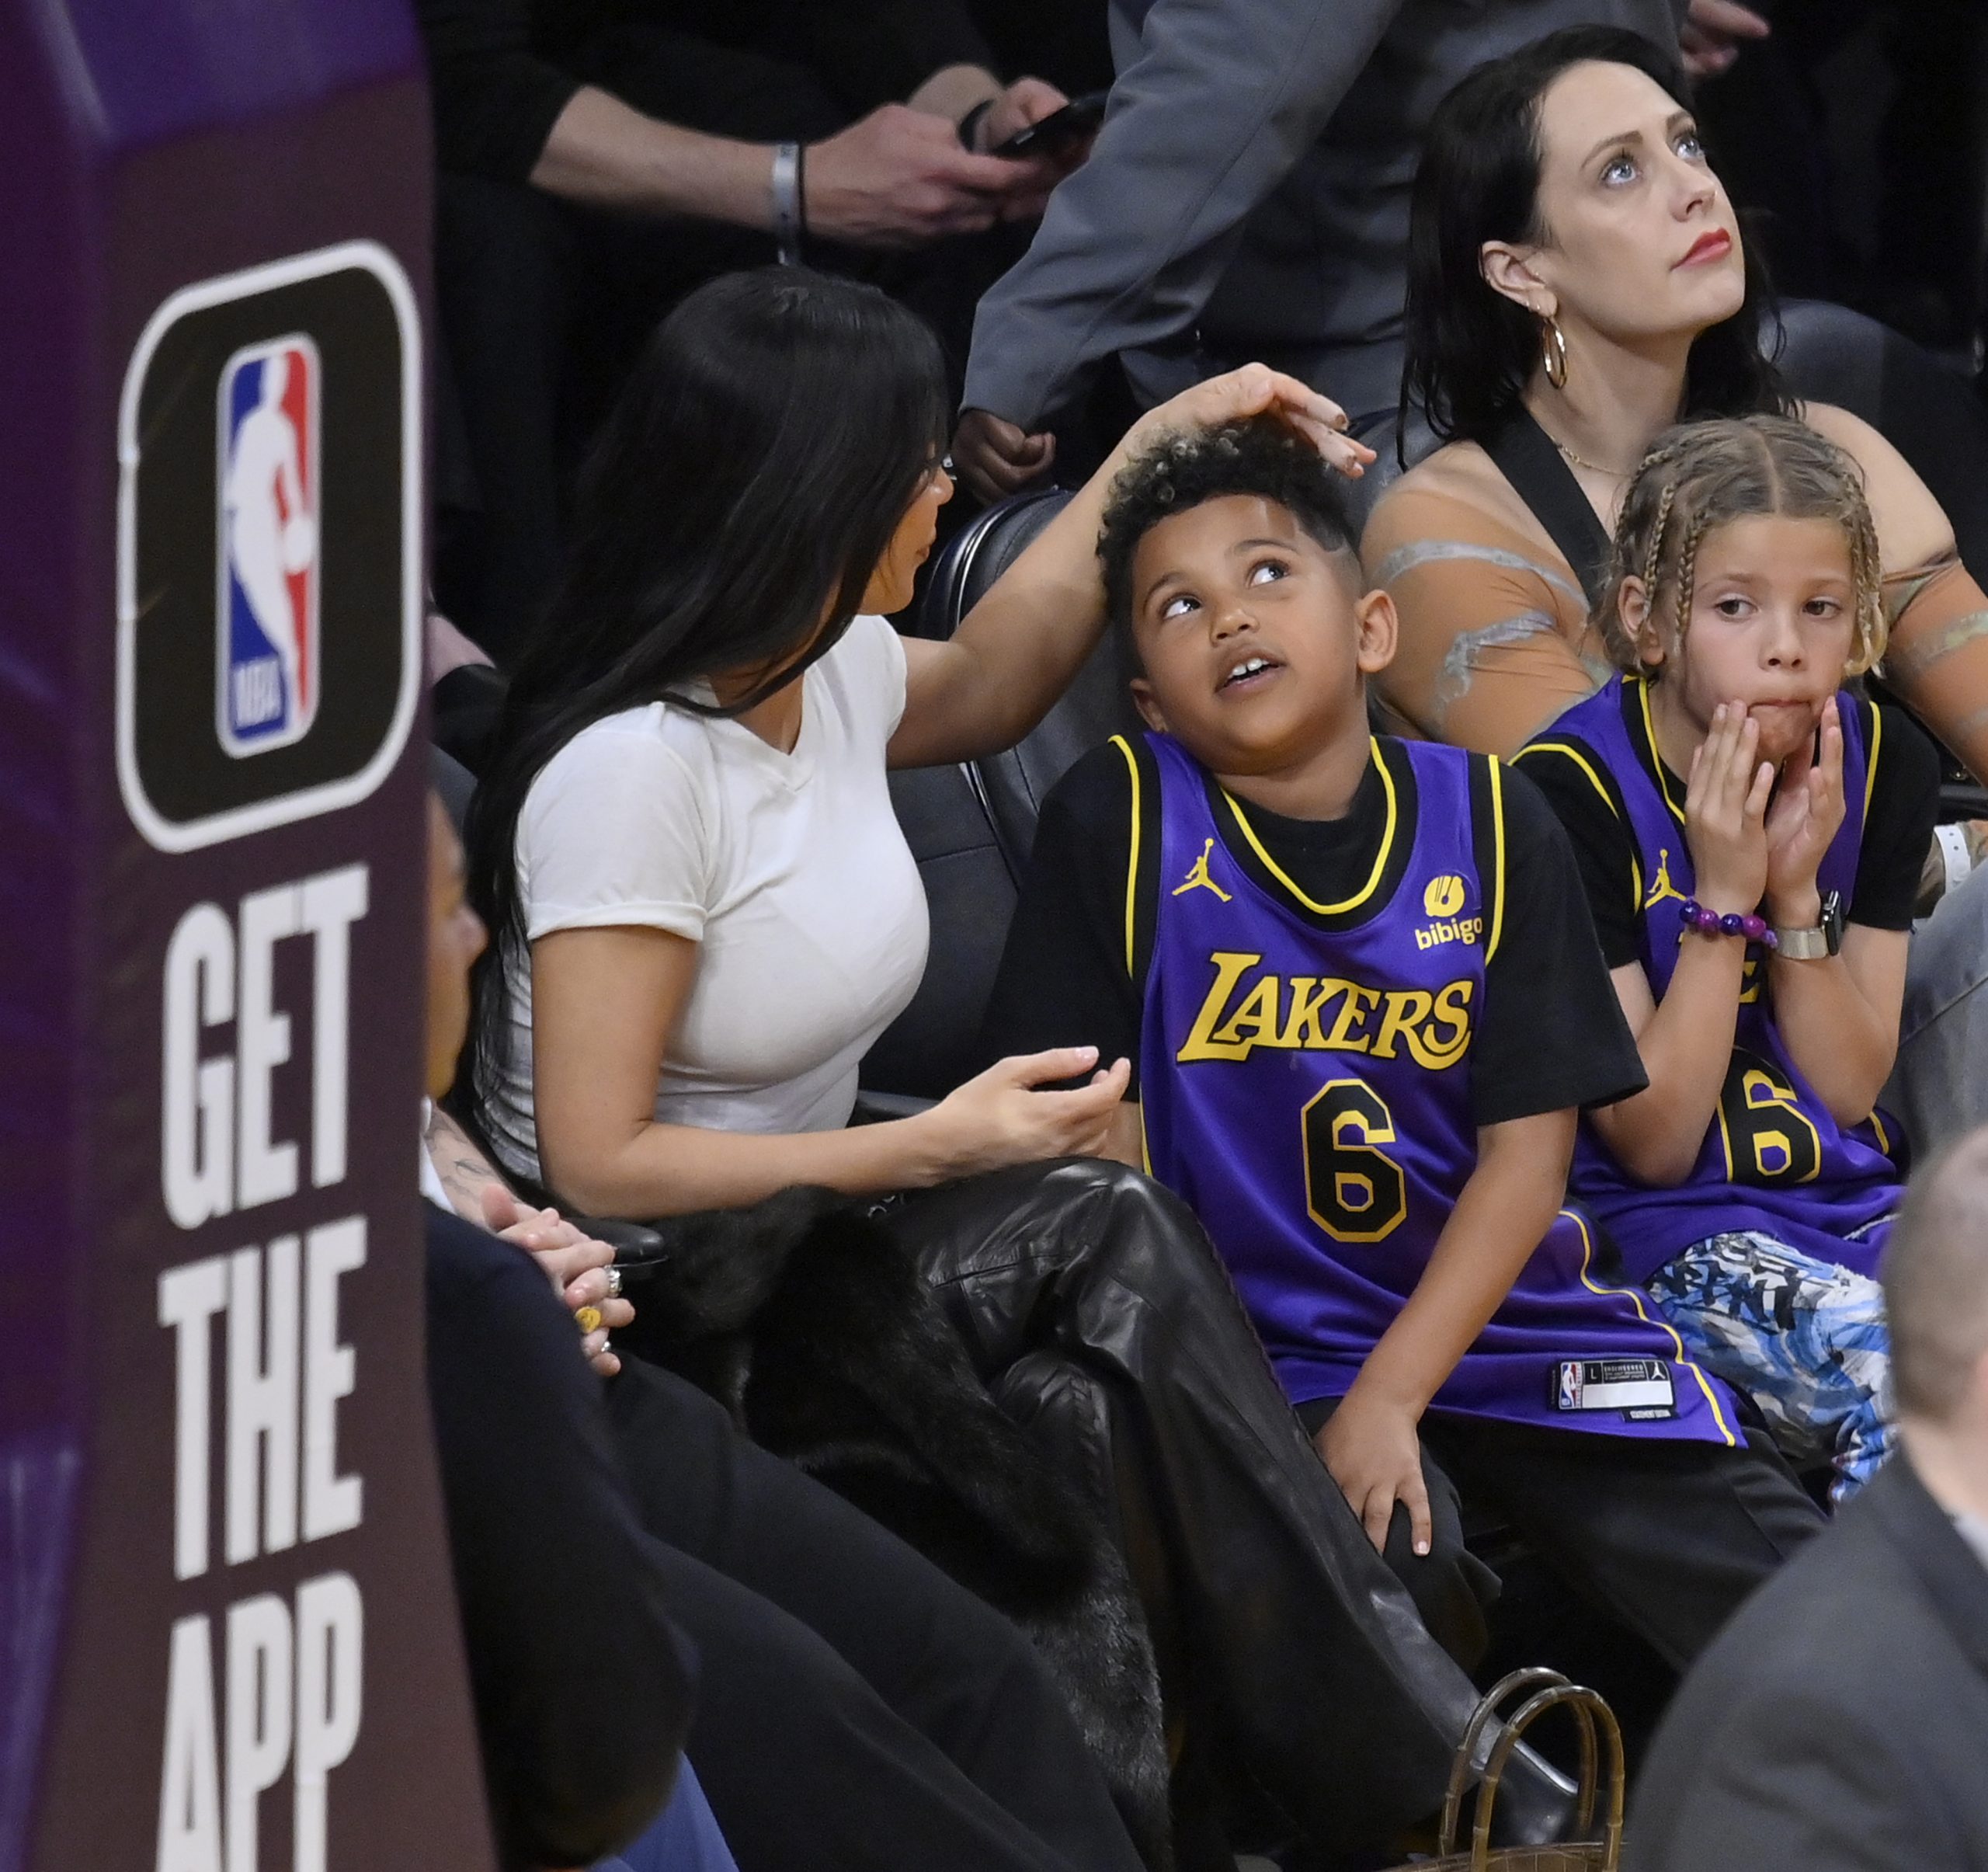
(1750, 833)
(1365, 1005)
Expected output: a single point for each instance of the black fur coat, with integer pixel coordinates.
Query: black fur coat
(812, 1327)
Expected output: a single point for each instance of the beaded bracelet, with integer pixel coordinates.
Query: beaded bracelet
(1694, 916)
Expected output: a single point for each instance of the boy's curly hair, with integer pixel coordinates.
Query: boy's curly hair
(1705, 474)
(1259, 456)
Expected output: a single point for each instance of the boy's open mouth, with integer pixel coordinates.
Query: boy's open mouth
(1248, 670)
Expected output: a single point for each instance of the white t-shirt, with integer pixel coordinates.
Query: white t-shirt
(787, 870)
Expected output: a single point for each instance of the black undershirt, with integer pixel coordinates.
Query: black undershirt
(1551, 1035)
(1905, 796)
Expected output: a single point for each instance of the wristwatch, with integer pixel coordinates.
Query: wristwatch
(1811, 944)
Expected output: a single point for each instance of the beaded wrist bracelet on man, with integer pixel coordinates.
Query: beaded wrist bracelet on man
(1694, 916)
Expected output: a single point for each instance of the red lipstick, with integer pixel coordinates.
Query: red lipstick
(1715, 245)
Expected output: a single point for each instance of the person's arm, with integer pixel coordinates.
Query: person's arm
(1369, 1443)
(1838, 1015)
(985, 688)
(576, 1264)
(1686, 1040)
(1936, 659)
(1486, 654)
(605, 1001)
(1220, 103)
(580, 1721)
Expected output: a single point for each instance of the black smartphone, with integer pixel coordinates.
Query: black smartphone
(1056, 132)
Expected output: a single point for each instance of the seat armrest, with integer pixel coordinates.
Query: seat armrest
(634, 1243)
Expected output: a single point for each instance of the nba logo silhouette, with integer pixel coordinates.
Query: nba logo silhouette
(266, 610)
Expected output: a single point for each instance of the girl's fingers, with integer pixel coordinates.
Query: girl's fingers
(1755, 804)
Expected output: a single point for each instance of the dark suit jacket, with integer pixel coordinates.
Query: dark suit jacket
(1841, 1719)
(582, 1696)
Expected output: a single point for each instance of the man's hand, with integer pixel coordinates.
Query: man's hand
(576, 1265)
(1026, 101)
(1713, 33)
(995, 459)
(899, 177)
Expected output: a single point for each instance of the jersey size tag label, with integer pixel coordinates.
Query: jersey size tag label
(1641, 1386)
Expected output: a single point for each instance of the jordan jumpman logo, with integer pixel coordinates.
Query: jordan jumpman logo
(1198, 878)
(1660, 885)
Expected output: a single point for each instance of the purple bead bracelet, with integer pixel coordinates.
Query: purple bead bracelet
(1694, 916)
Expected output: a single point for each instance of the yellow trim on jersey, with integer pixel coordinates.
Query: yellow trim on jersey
(1655, 754)
(1497, 860)
(1380, 860)
(1580, 760)
(1635, 1301)
(1595, 781)
(1884, 1136)
(1871, 760)
(1132, 862)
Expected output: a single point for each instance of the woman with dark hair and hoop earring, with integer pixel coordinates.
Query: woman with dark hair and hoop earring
(1578, 281)
(702, 912)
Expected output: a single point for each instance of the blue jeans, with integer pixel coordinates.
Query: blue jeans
(1805, 1339)
(684, 1837)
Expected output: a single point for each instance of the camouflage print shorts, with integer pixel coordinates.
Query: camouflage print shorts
(1805, 1339)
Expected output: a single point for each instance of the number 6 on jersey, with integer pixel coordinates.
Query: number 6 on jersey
(1355, 1192)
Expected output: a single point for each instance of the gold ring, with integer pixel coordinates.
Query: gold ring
(590, 1319)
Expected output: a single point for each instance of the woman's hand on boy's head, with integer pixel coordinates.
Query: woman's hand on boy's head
(1256, 389)
(1725, 803)
(1804, 817)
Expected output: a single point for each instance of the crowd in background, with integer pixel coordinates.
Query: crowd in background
(1009, 1549)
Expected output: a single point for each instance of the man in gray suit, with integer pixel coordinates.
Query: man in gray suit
(1840, 1723)
(1248, 197)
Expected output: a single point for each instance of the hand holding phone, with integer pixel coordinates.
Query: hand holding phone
(1060, 131)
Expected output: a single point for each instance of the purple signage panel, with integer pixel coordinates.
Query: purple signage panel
(228, 1637)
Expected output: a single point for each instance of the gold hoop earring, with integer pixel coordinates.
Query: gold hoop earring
(1553, 353)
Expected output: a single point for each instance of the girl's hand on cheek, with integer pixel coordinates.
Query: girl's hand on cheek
(1806, 815)
(1725, 803)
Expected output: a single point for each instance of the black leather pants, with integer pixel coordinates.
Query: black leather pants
(1098, 1315)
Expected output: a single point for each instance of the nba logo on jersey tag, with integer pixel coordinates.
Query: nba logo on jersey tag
(266, 498)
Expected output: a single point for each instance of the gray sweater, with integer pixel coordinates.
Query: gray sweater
(1248, 195)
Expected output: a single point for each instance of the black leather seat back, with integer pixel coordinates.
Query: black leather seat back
(1096, 706)
(970, 890)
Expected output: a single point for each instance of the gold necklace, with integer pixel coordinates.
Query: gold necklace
(1593, 468)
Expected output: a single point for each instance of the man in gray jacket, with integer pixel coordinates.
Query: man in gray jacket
(1248, 197)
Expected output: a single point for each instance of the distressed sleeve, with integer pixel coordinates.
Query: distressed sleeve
(1494, 640)
(1936, 659)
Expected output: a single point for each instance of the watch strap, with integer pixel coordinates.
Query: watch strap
(1811, 944)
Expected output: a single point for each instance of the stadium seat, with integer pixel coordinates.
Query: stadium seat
(970, 827)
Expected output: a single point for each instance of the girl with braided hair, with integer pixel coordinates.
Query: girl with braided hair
(1749, 831)
(1579, 280)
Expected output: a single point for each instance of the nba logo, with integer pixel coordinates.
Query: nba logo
(267, 601)
(1570, 1384)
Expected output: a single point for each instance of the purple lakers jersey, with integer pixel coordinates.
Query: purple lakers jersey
(1773, 1159)
(1305, 1075)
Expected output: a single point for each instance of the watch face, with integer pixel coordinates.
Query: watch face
(1832, 920)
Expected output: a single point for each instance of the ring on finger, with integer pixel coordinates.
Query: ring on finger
(614, 1283)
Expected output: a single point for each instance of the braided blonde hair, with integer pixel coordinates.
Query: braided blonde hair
(1705, 474)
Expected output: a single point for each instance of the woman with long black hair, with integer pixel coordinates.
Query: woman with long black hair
(1579, 281)
(702, 912)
